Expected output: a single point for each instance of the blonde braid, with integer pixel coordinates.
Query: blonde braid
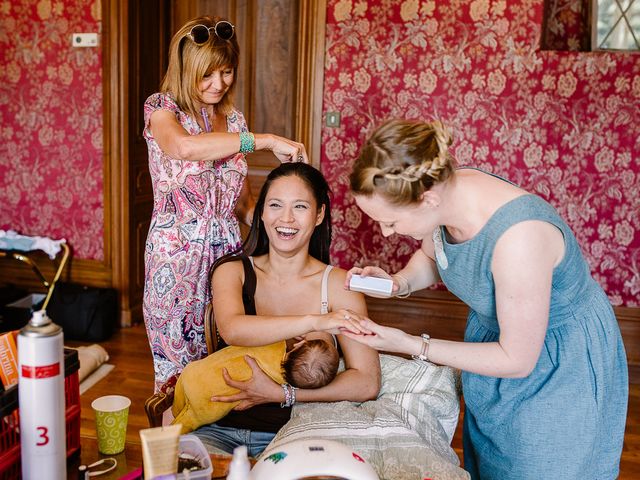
(402, 159)
(409, 174)
(443, 139)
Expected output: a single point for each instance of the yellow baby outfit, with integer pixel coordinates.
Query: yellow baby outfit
(202, 379)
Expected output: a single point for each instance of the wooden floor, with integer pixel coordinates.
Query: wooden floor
(133, 377)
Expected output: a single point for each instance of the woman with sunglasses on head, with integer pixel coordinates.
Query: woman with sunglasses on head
(197, 143)
(544, 367)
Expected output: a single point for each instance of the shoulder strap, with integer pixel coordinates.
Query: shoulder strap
(249, 286)
(324, 306)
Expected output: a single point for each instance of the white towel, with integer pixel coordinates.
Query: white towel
(10, 240)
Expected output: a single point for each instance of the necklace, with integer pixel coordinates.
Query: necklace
(438, 247)
(205, 119)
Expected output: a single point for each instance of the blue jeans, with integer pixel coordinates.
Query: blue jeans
(219, 439)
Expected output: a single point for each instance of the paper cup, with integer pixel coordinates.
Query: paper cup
(112, 412)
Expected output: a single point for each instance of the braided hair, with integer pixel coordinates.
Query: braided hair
(402, 159)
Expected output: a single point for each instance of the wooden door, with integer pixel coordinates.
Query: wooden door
(269, 36)
(149, 35)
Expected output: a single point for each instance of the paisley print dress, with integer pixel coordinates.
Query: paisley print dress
(192, 225)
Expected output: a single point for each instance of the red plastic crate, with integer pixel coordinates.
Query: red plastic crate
(10, 468)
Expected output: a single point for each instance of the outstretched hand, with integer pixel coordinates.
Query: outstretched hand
(340, 321)
(380, 337)
(260, 388)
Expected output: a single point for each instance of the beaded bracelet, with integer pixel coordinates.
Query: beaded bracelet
(289, 395)
(247, 142)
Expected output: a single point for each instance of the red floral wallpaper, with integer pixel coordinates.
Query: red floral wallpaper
(51, 166)
(565, 125)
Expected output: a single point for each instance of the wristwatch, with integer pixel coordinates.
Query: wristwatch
(424, 353)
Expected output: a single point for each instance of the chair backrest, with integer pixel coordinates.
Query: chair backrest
(210, 330)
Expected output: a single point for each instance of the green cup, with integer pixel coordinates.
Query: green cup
(112, 412)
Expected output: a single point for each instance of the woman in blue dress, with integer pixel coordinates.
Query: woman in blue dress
(544, 368)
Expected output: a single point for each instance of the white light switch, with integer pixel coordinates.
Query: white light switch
(84, 39)
(333, 119)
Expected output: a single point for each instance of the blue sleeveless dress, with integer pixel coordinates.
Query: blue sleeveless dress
(566, 420)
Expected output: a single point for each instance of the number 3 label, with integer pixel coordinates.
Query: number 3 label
(43, 436)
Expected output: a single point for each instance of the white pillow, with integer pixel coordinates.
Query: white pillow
(405, 433)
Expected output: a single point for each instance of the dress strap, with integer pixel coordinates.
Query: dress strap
(324, 306)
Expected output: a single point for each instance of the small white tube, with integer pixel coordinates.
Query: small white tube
(160, 450)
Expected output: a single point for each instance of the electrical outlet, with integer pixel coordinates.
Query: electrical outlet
(84, 39)
(333, 119)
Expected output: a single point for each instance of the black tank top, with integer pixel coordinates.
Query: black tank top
(266, 417)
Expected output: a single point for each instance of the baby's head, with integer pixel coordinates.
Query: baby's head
(311, 364)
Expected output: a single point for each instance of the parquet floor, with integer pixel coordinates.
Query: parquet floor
(133, 377)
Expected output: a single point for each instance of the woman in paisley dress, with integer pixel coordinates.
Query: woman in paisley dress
(197, 142)
(544, 367)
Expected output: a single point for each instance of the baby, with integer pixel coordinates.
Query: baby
(311, 363)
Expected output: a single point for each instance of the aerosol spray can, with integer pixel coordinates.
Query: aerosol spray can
(41, 396)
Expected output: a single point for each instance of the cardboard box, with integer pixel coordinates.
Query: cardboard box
(8, 359)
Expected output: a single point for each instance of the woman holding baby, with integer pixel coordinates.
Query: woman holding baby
(285, 291)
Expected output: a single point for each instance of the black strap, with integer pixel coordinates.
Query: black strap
(248, 292)
(249, 287)
(268, 417)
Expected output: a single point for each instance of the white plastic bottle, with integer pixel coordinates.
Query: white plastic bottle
(240, 467)
(41, 400)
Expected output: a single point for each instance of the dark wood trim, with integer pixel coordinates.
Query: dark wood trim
(88, 272)
(115, 57)
(443, 315)
(629, 321)
(247, 72)
(311, 27)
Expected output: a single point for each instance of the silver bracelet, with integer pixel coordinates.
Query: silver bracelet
(289, 395)
(424, 351)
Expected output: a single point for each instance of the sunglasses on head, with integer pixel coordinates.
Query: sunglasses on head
(200, 34)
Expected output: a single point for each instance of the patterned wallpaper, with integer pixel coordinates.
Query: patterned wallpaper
(562, 124)
(51, 167)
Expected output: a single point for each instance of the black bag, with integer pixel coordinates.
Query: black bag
(84, 313)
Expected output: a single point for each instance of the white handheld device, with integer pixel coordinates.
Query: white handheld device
(371, 285)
